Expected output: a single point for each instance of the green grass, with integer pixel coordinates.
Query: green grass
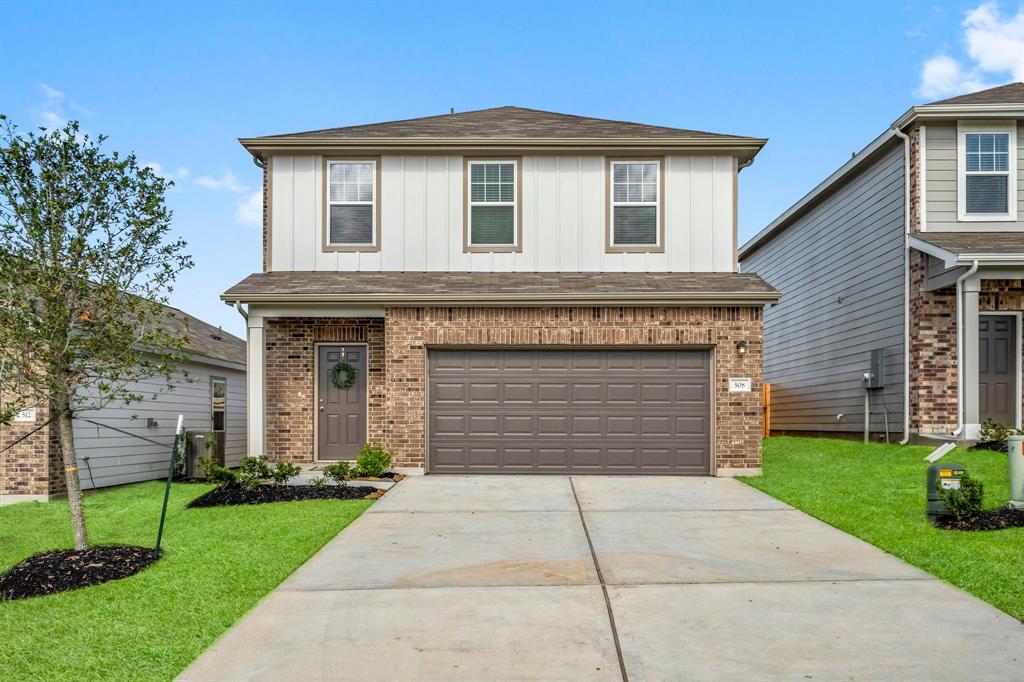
(877, 492)
(217, 565)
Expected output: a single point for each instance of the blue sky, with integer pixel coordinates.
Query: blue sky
(178, 83)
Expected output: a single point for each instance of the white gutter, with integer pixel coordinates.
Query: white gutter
(960, 347)
(906, 283)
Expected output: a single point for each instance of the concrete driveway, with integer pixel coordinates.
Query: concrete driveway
(607, 578)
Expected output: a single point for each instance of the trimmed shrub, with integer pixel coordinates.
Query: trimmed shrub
(222, 477)
(994, 435)
(318, 483)
(284, 471)
(252, 471)
(373, 460)
(963, 502)
(339, 472)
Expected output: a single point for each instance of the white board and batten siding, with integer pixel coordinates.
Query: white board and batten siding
(116, 458)
(563, 208)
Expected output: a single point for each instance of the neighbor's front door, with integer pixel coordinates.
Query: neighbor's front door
(341, 412)
(997, 369)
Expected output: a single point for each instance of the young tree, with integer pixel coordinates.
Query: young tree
(86, 262)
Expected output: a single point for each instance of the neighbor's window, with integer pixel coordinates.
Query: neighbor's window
(492, 203)
(351, 193)
(987, 177)
(219, 405)
(635, 203)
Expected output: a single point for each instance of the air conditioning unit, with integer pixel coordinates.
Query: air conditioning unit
(195, 448)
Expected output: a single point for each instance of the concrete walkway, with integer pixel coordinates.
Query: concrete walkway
(607, 578)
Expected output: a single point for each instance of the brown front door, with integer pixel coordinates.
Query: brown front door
(341, 412)
(997, 369)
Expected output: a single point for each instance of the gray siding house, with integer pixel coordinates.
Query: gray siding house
(209, 392)
(901, 274)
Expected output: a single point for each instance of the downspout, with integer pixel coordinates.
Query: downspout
(906, 283)
(259, 161)
(241, 310)
(960, 346)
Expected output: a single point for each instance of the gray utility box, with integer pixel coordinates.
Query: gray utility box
(195, 447)
(876, 372)
(949, 475)
(1015, 456)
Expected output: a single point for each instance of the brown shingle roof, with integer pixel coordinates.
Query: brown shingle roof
(503, 288)
(1011, 93)
(205, 339)
(975, 243)
(505, 123)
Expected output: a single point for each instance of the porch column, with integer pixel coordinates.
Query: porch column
(972, 420)
(255, 366)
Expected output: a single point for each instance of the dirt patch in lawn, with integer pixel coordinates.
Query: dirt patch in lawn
(69, 569)
(235, 495)
(990, 519)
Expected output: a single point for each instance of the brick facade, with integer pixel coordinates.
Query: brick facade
(397, 365)
(290, 354)
(33, 466)
(933, 334)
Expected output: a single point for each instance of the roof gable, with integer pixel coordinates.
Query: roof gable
(507, 122)
(1011, 93)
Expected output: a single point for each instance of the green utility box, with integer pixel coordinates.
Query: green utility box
(946, 475)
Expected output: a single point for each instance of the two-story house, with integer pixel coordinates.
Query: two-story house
(505, 291)
(904, 265)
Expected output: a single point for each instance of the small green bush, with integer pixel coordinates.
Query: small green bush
(373, 460)
(339, 472)
(284, 471)
(318, 483)
(222, 476)
(993, 435)
(206, 466)
(252, 471)
(965, 501)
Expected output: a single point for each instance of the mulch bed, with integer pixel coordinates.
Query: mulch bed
(386, 476)
(69, 569)
(235, 495)
(990, 519)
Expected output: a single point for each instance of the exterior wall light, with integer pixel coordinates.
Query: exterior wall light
(741, 347)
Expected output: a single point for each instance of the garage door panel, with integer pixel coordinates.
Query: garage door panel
(569, 411)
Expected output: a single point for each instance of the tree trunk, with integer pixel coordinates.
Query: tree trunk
(67, 449)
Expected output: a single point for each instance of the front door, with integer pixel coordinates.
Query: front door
(997, 369)
(341, 410)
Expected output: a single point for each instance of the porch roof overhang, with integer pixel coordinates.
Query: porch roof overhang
(503, 289)
(999, 249)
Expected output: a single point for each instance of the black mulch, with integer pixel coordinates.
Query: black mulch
(990, 519)
(69, 569)
(235, 495)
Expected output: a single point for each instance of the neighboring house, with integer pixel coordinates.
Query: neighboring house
(509, 291)
(211, 398)
(873, 263)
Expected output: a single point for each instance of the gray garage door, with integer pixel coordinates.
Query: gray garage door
(569, 411)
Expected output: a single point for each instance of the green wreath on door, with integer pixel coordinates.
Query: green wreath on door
(349, 379)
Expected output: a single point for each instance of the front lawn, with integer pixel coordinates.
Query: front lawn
(877, 492)
(218, 562)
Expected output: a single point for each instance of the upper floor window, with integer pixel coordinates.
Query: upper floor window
(635, 210)
(352, 205)
(493, 211)
(987, 173)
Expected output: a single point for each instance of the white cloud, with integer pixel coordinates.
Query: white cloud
(226, 182)
(250, 210)
(179, 174)
(994, 43)
(51, 111)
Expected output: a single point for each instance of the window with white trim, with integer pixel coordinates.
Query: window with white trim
(635, 203)
(492, 203)
(351, 197)
(987, 173)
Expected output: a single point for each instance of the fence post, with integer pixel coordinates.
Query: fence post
(167, 490)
